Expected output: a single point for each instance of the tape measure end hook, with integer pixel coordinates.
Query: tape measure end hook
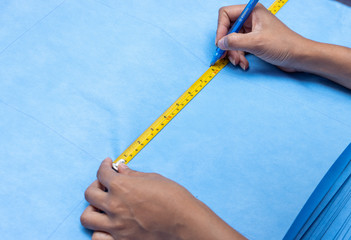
(116, 164)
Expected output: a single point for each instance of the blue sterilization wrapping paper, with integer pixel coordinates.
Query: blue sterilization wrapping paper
(81, 79)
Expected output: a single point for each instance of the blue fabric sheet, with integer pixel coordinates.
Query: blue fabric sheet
(81, 79)
(327, 213)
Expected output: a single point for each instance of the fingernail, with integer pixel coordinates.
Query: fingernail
(117, 165)
(223, 43)
(232, 60)
(122, 166)
(242, 65)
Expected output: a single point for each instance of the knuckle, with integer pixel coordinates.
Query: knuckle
(221, 10)
(84, 220)
(119, 225)
(112, 205)
(98, 173)
(87, 193)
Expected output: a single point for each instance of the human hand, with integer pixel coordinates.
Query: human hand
(263, 35)
(136, 205)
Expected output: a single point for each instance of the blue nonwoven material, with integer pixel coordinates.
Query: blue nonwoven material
(327, 213)
(81, 79)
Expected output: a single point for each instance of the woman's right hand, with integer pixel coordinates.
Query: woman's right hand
(268, 38)
(263, 35)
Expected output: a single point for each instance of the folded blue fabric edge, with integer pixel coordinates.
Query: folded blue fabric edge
(318, 194)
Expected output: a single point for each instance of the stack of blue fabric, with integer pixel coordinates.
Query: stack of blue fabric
(327, 213)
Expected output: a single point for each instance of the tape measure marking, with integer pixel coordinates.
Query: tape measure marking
(180, 103)
(276, 6)
(171, 112)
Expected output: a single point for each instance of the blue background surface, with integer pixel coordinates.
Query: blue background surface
(81, 79)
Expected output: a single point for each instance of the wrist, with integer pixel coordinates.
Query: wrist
(305, 55)
(200, 222)
(327, 60)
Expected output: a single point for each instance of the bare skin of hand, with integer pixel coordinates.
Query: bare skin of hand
(134, 205)
(265, 36)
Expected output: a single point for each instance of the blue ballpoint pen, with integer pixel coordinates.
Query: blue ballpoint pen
(236, 27)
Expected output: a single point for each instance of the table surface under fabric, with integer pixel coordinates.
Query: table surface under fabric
(81, 79)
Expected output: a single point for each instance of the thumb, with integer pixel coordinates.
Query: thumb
(124, 169)
(238, 41)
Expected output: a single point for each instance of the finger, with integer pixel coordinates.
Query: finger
(246, 42)
(106, 174)
(234, 57)
(244, 64)
(241, 53)
(96, 196)
(226, 16)
(125, 170)
(98, 185)
(101, 236)
(92, 219)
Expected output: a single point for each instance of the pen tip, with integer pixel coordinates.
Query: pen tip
(214, 60)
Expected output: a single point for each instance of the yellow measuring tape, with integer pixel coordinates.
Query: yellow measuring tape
(178, 105)
(276, 6)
